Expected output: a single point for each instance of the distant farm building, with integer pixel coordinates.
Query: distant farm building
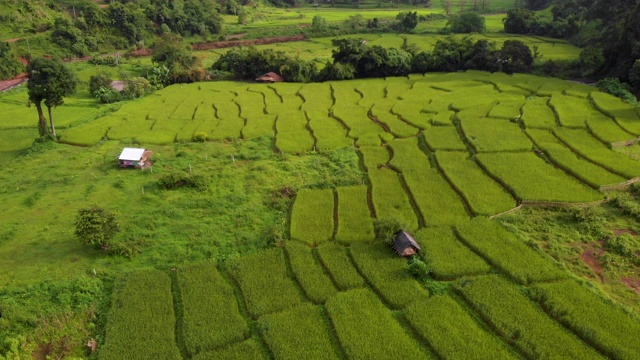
(117, 85)
(270, 77)
(134, 158)
(405, 245)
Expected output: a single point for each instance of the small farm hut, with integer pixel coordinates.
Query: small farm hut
(117, 85)
(270, 77)
(404, 244)
(134, 158)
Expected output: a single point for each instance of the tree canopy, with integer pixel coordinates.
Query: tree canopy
(49, 81)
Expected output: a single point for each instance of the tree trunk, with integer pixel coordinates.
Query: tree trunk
(53, 128)
(42, 122)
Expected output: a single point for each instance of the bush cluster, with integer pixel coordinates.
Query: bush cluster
(180, 180)
(353, 58)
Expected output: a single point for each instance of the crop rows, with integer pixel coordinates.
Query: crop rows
(371, 91)
(570, 110)
(442, 118)
(520, 322)
(210, 315)
(314, 282)
(142, 318)
(486, 135)
(484, 196)
(387, 274)
(586, 145)
(531, 179)
(354, 218)
(293, 135)
(312, 216)
(452, 332)
(506, 109)
(317, 97)
(337, 262)
(507, 253)
(537, 114)
(368, 330)
(437, 201)
(411, 112)
(444, 138)
(258, 126)
(298, 333)
(246, 350)
(264, 282)
(89, 134)
(328, 131)
(382, 111)
(564, 158)
(447, 256)
(251, 104)
(625, 114)
(599, 322)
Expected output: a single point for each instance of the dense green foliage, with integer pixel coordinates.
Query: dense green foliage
(10, 66)
(142, 313)
(96, 226)
(49, 82)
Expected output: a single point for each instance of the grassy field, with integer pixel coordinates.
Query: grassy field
(281, 238)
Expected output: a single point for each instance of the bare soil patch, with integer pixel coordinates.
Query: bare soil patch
(633, 284)
(618, 232)
(231, 43)
(590, 257)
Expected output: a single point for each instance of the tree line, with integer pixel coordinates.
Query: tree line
(354, 58)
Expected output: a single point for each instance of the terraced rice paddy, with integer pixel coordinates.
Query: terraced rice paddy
(439, 153)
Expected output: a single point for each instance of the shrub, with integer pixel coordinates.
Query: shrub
(136, 87)
(98, 81)
(385, 229)
(614, 87)
(179, 180)
(96, 226)
(200, 136)
(467, 22)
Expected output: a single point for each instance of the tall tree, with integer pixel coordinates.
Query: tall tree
(49, 81)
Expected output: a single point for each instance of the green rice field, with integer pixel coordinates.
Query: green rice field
(275, 256)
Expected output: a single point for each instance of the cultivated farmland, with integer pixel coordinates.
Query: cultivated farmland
(297, 177)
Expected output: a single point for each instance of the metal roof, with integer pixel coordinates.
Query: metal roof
(131, 154)
(403, 240)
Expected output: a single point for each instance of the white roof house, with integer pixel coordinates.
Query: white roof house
(131, 154)
(134, 157)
